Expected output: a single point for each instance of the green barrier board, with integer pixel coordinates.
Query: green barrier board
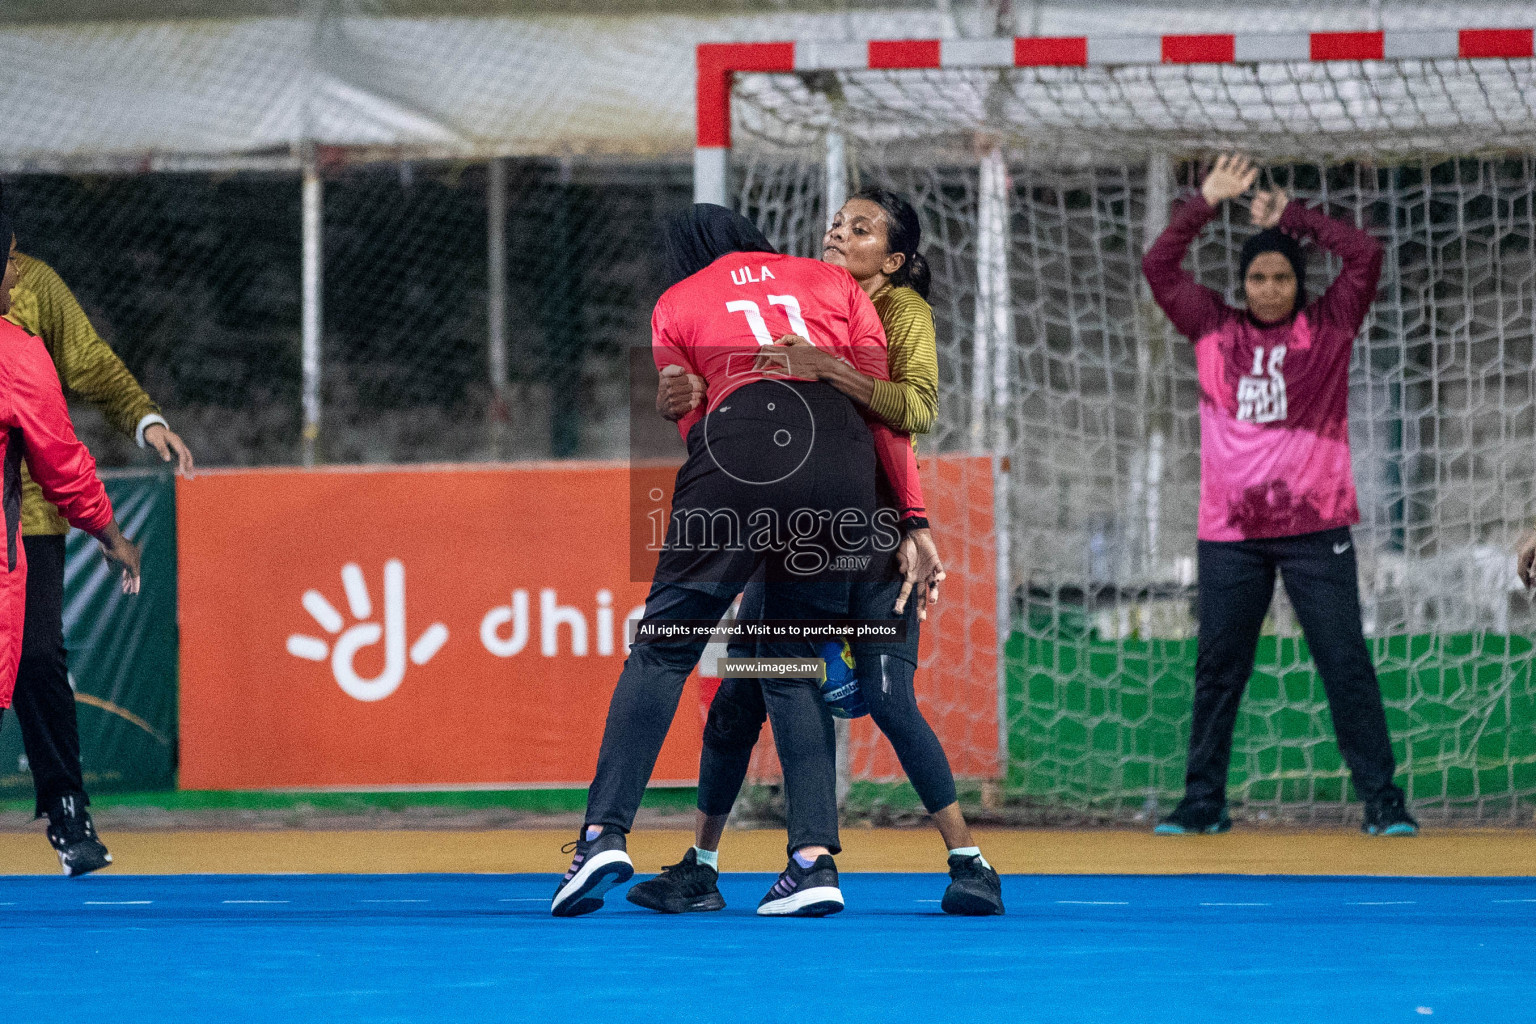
(122, 650)
(1099, 724)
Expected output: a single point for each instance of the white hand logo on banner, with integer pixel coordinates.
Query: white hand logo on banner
(365, 634)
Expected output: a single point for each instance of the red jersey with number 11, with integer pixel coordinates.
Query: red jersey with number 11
(715, 323)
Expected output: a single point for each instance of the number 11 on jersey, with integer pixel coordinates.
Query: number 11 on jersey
(759, 326)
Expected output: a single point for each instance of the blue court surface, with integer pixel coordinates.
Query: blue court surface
(350, 948)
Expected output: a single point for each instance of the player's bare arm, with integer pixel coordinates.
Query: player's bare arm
(807, 361)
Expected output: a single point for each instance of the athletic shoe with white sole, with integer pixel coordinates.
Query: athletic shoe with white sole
(597, 866)
(804, 892)
(1190, 819)
(974, 888)
(73, 837)
(683, 888)
(1389, 817)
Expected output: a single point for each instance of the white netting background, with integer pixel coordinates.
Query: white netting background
(1433, 157)
(1338, 109)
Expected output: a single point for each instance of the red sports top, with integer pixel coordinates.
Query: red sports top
(715, 322)
(34, 425)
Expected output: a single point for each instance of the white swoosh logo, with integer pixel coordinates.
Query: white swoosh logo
(1339, 549)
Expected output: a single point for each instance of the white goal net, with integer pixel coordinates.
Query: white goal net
(1039, 189)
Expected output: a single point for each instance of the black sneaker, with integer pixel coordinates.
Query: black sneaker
(1190, 819)
(597, 866)
(804, 892)
(974, 888)
(683, 888)
(74, 838)
(1389, 817)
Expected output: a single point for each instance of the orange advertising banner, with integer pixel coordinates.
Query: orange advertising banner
(443, 626)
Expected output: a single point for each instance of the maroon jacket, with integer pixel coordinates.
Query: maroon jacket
(34, 425)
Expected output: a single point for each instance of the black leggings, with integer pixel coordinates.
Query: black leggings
(44, 703)
(885, 673)
(645, 701)
(1237, 582)
(791, 453)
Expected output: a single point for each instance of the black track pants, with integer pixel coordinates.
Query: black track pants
(885, 673)
(43, 701)
(1321, 576)
(792, 453)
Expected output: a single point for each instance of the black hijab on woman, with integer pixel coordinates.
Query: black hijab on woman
(697, 237)
(1275, 240)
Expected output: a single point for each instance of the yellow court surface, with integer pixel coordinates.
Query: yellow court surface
(1469, 852)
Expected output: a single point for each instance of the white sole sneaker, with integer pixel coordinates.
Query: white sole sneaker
(75, 870)
(584, 892)
(818, 901)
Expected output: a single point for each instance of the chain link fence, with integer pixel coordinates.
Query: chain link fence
(195, 281)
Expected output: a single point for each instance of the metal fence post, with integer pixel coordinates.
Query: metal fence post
(496, 297)
(312, 298)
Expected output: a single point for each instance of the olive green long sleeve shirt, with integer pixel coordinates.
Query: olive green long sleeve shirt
(42, 305)
(909, 401)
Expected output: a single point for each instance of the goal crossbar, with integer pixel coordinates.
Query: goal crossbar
(719, 63)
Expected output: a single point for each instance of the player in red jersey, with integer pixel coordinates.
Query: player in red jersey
(35, 426)
(781, 475)
(719, 332)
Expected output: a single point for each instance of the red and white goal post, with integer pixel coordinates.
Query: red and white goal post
(1041, 169)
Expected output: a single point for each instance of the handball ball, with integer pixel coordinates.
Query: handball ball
(840, 685)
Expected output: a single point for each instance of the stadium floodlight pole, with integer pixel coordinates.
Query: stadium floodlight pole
(311, 293)
(496, 294)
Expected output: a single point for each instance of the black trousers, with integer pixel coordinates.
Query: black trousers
(885, 673)
(1321, 576)
(789, 453)
(43, 701)
(645, 702)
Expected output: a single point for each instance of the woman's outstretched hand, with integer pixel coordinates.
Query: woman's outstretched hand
(1231, 176)
(1267, 208)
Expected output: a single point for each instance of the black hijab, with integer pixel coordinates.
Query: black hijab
(1275, 240)
(697, 237)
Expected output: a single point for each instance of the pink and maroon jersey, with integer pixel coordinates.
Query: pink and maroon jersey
(1274, 400)
(35, 426)
(715, 323)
